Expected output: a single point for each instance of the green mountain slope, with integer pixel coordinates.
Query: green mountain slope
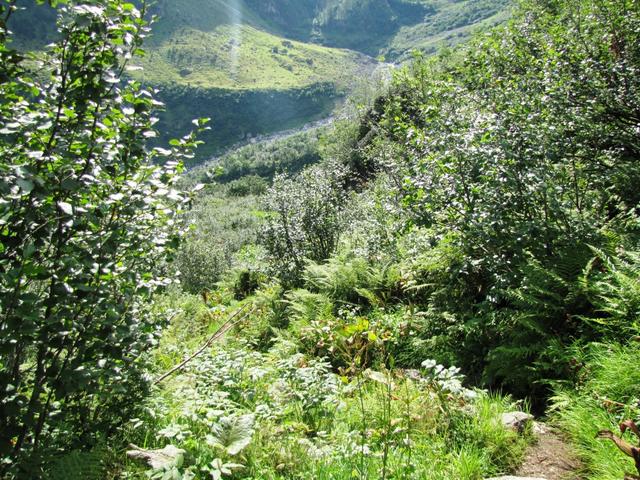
(259, 66)
(451, 23)
(225, 60)
(390, 27)
(243, 57)
(203, 15)
(249, 81)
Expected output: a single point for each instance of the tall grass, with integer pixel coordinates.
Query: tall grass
(608, 394)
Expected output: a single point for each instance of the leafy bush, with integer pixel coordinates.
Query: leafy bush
(514, 163)
(221, 228)
(375, 218)
(248, 185)
(87, 219)
(305, 220)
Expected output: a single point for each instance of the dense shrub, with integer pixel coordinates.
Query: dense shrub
(305, 220)
(290, 153)
(87, 220)
(248, 185)
(517, 152)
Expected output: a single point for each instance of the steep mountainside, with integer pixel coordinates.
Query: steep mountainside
(374, 27)
(258, 66)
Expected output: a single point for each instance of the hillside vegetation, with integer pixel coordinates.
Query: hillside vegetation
(376, 27)
(480, 213)
(241, 57)
(451, 23)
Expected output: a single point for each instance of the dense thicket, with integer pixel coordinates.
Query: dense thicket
(264, 159)
(520, 153)
(86, 221)
(514, 160)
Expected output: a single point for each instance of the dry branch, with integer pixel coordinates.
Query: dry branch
(224, 328)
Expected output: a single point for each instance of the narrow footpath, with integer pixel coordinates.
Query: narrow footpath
(550, 458)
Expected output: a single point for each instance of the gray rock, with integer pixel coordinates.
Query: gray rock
(516, 420)
(540, 429)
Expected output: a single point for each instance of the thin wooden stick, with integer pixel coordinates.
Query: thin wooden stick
(224, 328)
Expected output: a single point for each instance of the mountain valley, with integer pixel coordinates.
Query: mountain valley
(256, 67)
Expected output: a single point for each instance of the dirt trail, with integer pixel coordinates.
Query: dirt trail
(550, 457)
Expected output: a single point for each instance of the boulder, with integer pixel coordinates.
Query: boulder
(516, 420)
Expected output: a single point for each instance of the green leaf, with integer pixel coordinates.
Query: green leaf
(25, 185)
(66, 208)
(234, 433)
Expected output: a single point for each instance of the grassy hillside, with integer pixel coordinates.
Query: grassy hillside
(204, 15)
(451, 23)
(390, 27)
(223, 61)
(257, 67)
(243, 57)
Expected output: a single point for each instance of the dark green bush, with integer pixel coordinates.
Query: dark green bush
(248, 185)
(87, 219)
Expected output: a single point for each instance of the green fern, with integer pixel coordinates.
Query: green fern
(612, 284)
(540, 322)
(338, 278)
(542, 289)
(353, 280)
(305, 306)
(78, 465)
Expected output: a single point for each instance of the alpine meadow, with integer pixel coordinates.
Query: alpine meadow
(320, 239)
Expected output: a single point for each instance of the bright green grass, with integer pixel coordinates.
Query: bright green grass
(245, 58)
(610, 373)
(203, 15)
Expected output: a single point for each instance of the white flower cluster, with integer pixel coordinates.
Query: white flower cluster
(446, 379)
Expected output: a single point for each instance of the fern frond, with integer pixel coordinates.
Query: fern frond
(78, 465)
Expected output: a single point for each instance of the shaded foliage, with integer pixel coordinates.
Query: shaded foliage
(87, 221)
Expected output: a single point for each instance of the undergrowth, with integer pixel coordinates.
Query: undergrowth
(607, 393)
(283, 413)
